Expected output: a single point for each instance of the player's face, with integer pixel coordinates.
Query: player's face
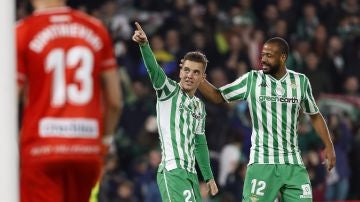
(191, 74)
(271, 58)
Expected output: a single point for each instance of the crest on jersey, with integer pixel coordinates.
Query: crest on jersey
(279, 90)
(293, 85)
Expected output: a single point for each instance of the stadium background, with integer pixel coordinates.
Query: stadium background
(324, 37)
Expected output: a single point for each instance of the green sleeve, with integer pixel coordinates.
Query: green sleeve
(202, 157)
(157, 75)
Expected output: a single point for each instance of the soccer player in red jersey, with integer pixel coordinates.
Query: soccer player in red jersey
(72, 101)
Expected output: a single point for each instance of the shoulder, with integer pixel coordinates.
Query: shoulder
(23, 23)
(297, 74)
(87, 18)
(255, 72)
(294, 73)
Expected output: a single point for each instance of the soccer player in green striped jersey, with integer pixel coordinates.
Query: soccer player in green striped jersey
(181, 124)
(275, 96)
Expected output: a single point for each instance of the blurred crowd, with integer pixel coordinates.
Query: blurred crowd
(324, 37)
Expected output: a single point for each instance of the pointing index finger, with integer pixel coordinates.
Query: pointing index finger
(138, 27)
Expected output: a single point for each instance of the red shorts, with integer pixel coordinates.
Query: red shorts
(58, 180)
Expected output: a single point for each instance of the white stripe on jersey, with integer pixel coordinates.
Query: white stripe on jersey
(260, 133)
(269, 124)
(163, 115)
(288, 124)
(177, 132)
(279, 132)
(296, 146)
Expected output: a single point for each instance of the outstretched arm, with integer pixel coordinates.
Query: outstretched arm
(320, 127)
(157, 75)
(210, 92)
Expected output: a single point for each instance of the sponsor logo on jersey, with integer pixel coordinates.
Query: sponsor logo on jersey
(263, 98)
(263, 84)
(293, 85)
(307, 193)
(253, 198)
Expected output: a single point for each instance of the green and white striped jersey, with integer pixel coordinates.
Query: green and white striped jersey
(274, 108)
(179, 117)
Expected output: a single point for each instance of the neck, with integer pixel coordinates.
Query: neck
(44, 4)
(279, 74)
(188, 92)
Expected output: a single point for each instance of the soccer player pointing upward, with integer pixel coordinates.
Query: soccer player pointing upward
(181, 125)
(275, 96)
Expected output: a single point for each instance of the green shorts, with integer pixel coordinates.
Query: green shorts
(178, 185)
(263, 182)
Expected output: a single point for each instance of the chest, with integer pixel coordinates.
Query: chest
(287, 92)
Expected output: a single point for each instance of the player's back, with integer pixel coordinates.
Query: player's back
(61, 55)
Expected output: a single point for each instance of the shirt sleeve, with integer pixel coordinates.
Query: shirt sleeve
(162, 84)
(108, 60)
(308, 103)
(237, 90)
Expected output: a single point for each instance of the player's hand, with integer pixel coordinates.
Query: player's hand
(212, 187)
(330, 157)
(109, 144)
(139, 35)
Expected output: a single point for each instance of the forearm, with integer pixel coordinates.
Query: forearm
(111, 118)
(202, 157)
(210, 92)
(113, 100)
(321, 129)
(157, 75)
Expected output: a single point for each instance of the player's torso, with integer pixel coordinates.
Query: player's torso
(274, 107)
(178, 118)
(62, 57)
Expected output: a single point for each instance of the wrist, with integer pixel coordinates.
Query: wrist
(108, 139)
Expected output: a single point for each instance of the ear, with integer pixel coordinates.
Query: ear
(283, 58)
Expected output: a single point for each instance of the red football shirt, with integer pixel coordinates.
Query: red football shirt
(61, 54)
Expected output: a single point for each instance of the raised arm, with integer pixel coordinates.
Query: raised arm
(318, 122)
(210, 92)
(157, 75)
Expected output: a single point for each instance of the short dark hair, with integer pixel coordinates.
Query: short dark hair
(196, 56)
(281, 43)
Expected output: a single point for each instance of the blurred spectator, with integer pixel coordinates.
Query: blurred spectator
(236, 55)
(270, 16)
(351, 86)
(334, 62)
(297, 56)
(355, 163)
(337, 181)
(308, 22)
(173, 44)
(319, 41)
(318, 78)
(125, 192)
(254, 44)
(230, 157)
(316, 171)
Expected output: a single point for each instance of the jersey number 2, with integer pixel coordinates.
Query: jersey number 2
(78, 93)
